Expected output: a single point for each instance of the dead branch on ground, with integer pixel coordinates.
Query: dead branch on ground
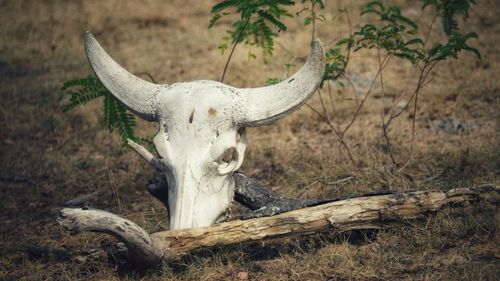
(367, 212)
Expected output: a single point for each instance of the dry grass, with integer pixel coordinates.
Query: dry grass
(49, 157)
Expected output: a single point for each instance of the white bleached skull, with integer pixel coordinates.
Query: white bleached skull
(201, 137)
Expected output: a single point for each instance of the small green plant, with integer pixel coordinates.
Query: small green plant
(115, 115)
(336, 61)
(395, 35)
(311, 14)
(272, 81)
(257, 20)
(256, 24)
(447, 9)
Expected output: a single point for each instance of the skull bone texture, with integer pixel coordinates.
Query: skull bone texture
(201, 136)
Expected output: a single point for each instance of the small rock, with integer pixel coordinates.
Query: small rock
(406, 260)
(402, 103)
(242, 275)
(80, 259)
(452, 125)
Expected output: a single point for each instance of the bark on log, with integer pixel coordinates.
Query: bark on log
(141, 249)
(342, 215)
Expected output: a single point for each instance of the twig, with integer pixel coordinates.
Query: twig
(146, 155)
(313, 14)
(421, 80)
(232, 49)
(82, 200)
(384, 128)
(339, 137)
(327, 120)
(315, 110)
(114, 187)
(337, 181)
(428, 33)
(330, 95)
(308, 187)
(432, 178)
(384, 63)
(353, 87)
(348, 57)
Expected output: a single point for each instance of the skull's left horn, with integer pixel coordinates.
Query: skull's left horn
(265, 105)
(137, 94)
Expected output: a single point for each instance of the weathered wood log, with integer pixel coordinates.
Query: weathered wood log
(339, 216)
(343, 215)
(142, 250)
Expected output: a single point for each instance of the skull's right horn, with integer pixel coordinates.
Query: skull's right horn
(138, 95)
(265, 105)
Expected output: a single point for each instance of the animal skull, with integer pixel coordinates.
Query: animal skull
(201, 136)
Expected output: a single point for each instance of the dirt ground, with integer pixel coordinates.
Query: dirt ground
(48, 157)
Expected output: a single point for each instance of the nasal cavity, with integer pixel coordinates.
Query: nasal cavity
(228, 156)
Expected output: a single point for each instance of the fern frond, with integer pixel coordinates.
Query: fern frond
(79, 98)
(125, 123)
(217, 8)
(257, 19)
(115, 115)
(447, 10)
(110, 112)
(88, 88)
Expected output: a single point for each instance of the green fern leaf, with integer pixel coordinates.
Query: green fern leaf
(115, 115)
(125, 123)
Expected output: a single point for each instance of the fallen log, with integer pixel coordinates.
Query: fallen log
(356, 213)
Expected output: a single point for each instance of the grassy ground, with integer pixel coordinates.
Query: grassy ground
(48, 157)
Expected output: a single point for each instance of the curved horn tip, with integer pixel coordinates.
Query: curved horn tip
(138, 95)
(87, 37)
(317, 49)
(265, 105)
(316, 43)
(90, 42)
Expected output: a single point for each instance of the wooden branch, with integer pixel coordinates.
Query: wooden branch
(343, 215)
(82, 200)
(142, 251)
(146, 155)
